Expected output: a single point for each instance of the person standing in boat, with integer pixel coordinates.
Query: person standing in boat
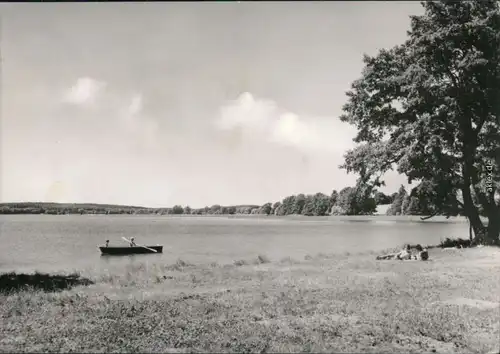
(132, 242)
(107, 243)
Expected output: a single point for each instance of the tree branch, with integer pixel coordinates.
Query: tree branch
(428, 217)
(479, 126)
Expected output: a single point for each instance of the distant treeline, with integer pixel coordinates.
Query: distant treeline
(68, 208)
(349, 201)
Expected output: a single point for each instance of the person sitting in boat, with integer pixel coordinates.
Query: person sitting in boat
(107, 243)
(132, 242)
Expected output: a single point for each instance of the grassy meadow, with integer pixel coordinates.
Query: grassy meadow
(322, 303)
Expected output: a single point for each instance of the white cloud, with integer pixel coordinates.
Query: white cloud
(119, 112)
(246, 112)
(143, 128)
(135, 106)
(130, 110)
(84, 92)
(263, 118)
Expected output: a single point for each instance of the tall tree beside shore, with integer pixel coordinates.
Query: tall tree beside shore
(308, 209)
(321, 204)
(381, 198)
(316, 205)
(298, 205)
(287, 207)
(413, 207)
(333, 197)
(405, 205)
(355, 201)
(265, 209)
(177, 209)
(396, 207)
(430, 107)
(274, 210)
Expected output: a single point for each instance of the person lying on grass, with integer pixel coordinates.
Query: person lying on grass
(422, 254)
(405, 254)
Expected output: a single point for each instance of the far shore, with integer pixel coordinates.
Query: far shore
(375, 217)
(239, 212)
(359, 218)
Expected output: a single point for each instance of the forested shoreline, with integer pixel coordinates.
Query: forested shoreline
(349, 201)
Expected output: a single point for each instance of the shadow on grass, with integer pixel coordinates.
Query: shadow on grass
(13, 282)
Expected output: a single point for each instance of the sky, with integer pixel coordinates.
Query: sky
(195, 103)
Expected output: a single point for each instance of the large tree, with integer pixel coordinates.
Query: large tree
(382, 198)
(333, 198)
(298, 205)
(316, 205)
(430, 106)
(321, 204)
(414, 207)
(177, 209)
(355, 200)
(275, 208)
(287, 206)
(308, 209)
(396, 207)
(265, 209)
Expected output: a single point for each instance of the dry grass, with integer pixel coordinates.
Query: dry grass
(325, 303)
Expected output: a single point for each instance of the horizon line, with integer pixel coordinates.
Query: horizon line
(126, 205)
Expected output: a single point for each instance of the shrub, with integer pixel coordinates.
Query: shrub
(456, 242)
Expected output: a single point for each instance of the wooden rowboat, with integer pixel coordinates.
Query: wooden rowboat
(130, 250)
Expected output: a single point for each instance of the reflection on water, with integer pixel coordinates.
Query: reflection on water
(131, 258)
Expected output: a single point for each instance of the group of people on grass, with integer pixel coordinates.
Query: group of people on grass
(406, 254)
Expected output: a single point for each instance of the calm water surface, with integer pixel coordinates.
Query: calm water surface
(66, 243)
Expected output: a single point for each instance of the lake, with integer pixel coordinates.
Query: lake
(69, 242)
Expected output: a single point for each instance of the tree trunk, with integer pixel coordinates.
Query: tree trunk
(479, 230)
(493, 228)
(470, 179)
(470, 232)
(472, 214)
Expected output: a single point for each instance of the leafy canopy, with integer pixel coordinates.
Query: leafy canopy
(430, 106)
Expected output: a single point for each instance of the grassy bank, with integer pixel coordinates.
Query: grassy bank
(348, 303)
